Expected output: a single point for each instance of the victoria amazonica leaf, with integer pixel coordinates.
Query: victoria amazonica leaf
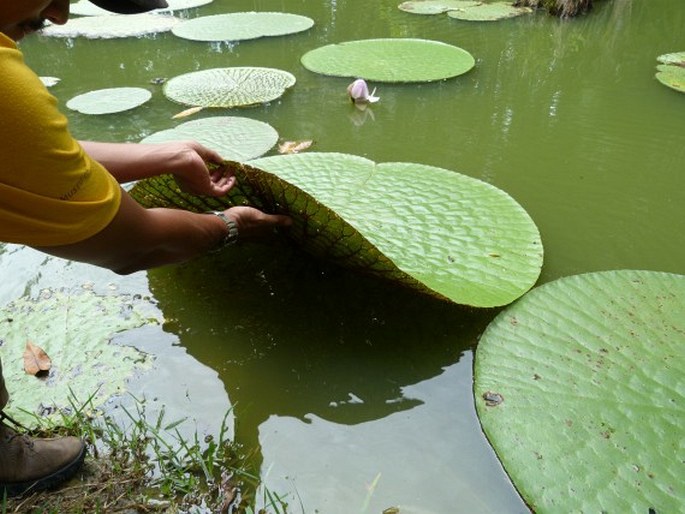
(672, 76)
(111, 27)
(434, 6)
(110, 100)
(390, 60)
(241, 26)
(677, 58)
(436, 230)
(76, 331)
(85, 8)
(580, 388)
(228, 87)
(235, 138)
(489, 12)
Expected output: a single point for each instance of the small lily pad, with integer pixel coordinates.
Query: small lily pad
(489, 12)
(241, 26)
(50, 81)
(86, 8)
(111, 27)
(390, 60)
(676, 58)
(109, 100)
(75, 329)
(580, 389)
(228, 87)
(434, 6)
(234, 138)
(671, 76)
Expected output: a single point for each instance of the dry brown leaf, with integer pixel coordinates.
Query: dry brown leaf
(187, 112)
(35, 359)
(287, 147)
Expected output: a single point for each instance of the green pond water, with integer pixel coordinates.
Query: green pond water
(352, 394)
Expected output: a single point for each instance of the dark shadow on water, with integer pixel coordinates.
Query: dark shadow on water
(292, 336)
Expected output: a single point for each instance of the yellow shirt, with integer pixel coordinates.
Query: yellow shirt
(51, 192)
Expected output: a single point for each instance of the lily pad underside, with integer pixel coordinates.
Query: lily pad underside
(390, 60)
(110, 100)
(86, 8)
(113, 27)
(488, 12)
(75, 329)
(242, 26)
(671, 75)
(434, 6)
(228, 87)
(234, 138)
(438, 231)
(580, 389)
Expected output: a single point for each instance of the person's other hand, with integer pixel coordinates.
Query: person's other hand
(190, 170)
(254, 224)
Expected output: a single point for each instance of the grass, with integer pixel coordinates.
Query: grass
(148, 467)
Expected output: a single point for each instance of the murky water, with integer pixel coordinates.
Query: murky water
(356, 395)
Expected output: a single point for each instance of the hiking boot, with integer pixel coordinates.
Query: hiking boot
(31, 464)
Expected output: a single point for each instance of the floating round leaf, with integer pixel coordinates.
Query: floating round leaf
(241, 26)
(390, 60)
(434, 6)
(458, 238)
(110, 27)
(677, 58)
(85, 8)
(489, 12)
(671, 76)
(228, 87)
(580, 388)
(110, 100)
(235, 138)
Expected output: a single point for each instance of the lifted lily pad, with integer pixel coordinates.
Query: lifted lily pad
(242, 26)
(434, 6)
(85, 8)
(390, 60)
(228, 87)
(112, 27)
(235, 138)
(589, 373)
(109, 100)
(458, 238)
(489, 12)
(75, 329)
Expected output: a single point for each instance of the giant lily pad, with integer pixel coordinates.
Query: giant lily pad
(436, 230)
(671, 75)
(390, 60)
(241, 26)
(489, 12)
(85, 8)
(235, 138)
(676, 58)
(109, 100)
(434, 6)
(228, 87)
(75, 330)
(111, 27)
(580, 389)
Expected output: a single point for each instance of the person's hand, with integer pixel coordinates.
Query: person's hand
(254, 224)
(192, 174)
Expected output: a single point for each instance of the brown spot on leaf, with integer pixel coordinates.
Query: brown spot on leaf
(492, 399)
(36, 361)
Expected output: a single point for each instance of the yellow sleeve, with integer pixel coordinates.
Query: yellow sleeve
(51, 192)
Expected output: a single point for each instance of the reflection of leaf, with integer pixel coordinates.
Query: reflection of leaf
(35, 359)
(287, 147)
(241, 26)
(588, 374)
(355, 212)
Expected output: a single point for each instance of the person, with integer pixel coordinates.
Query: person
(62, 197)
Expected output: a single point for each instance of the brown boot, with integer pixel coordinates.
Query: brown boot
(30, 464)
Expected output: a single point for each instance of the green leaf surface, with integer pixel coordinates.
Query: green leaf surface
(580, 388)
(441, 232)
(75, 329)
(434, 6)
(242, 26)
(671, 76)
(390, 60)
(489, 12)
(86, 8)
(228, 87)
(112, 27)
(110, 100)
(677, 58)
(235, 138)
